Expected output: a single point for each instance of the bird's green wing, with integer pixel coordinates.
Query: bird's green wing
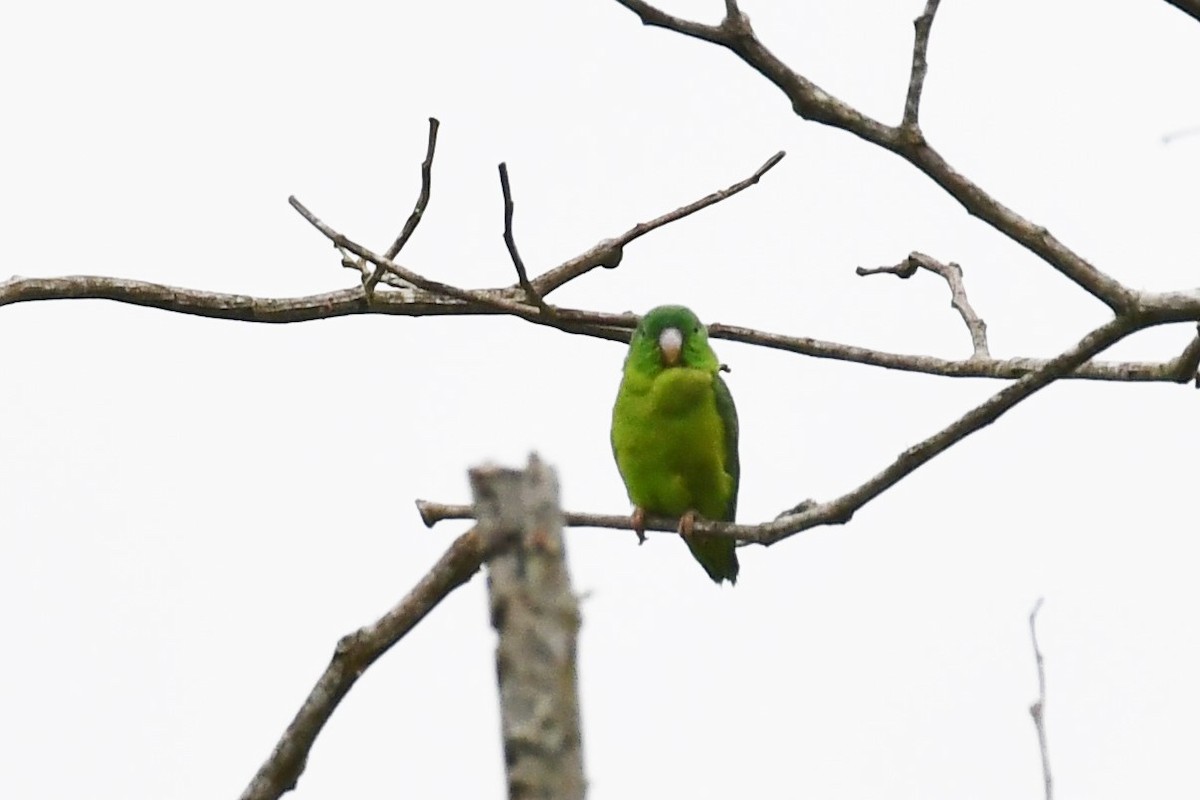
(729, 419)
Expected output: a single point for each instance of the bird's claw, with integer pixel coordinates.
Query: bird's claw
(638, 522)
(686, 523)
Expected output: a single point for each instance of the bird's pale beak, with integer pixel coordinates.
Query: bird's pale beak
(670, 344)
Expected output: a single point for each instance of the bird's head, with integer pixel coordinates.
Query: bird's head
(671, 336)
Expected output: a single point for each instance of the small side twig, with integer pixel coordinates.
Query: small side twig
(353, 655)
(531, 294)
(916, 78)
(608, 252)
(360, 266)
(952, 274)
(1038, 709)
(410, 225)
(1185, 367)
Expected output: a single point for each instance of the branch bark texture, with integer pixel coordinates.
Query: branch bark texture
(536, 616)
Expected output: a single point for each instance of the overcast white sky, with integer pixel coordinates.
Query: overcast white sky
(192, 512)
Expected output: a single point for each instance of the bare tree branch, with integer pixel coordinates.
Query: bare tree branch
(354, 654)
(498, 302)
(1173, 371)
(413, 302)
(1187, 363)
(657, 18)
(916, 78)
(1038, 709)
(838, 511)
(537, 617)
(410, 225)
(814, 103)
(1189, 7)
(415, 295)
(952, 274)
(608, 252)
(531, 294)
(418, 212)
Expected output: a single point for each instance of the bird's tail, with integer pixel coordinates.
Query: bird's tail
(717, 554)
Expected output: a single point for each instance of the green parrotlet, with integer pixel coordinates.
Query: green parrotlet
(675, 433)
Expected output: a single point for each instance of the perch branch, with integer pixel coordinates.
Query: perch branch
(952, 274)
(531, 294)
(353, 655)
(536, 616)
(812, 102)
(1038, 709)
(418, 212)
(916, 78)
(839, 510)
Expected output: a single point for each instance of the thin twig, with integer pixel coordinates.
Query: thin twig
(342, 242)
(1185, 367)
(839, 510)
(418, 212)
(353, 655)
(952, 274)
(531, 294)
(608, 252)
(656, 17)
(1038, 709)
(359, 265)
(916, 77)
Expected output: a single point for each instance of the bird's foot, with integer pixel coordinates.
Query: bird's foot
(686, 523)
(638, 522)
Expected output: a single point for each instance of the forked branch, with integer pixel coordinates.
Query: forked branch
(952, 274)
(812, 102)
(418, 212)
